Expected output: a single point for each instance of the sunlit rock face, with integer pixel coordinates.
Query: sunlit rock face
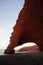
(30, 48)
(29, 25)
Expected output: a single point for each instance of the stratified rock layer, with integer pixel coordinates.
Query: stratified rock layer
(29, 25)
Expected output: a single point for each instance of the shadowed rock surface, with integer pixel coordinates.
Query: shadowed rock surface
(29, 25)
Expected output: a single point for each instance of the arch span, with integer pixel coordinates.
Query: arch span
(29, 26)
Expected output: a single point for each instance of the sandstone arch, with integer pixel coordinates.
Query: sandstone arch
(29, 25)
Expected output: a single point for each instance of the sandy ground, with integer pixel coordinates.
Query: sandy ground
(28, 58)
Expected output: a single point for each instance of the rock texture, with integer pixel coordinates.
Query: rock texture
(30, 48)
(29, 25)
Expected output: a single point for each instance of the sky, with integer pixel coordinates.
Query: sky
(9, 11)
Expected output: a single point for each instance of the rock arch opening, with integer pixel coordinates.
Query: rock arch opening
(30, 46)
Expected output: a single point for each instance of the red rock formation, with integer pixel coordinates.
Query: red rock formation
(30, 48)
(29, 25)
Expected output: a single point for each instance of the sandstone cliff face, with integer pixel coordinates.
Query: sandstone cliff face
(29, 25)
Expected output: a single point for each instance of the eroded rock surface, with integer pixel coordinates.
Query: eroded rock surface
(29, 25)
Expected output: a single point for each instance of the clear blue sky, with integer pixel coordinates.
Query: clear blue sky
(9, 10)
